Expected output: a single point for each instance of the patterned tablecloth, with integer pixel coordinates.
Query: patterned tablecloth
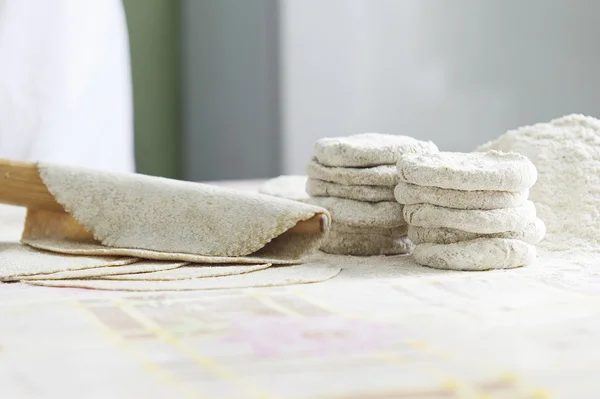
(383, 328)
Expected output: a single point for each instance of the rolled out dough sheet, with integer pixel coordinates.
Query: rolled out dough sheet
(77, 248)
(273, 276)
(189, 272)
(17, 260)
(141, 267)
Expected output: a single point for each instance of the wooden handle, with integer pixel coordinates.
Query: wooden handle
(21, 185)
(316, 224)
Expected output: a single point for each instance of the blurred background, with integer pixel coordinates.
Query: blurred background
(236, 89)
(231, 89)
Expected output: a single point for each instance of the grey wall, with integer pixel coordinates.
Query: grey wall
(456, 72)
(262, 79)
(230, 78)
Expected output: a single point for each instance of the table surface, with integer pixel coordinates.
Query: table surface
(383, 328)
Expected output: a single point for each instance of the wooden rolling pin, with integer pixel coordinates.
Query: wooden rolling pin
(21, 185)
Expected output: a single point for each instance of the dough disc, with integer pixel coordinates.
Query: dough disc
(478, 254)
(383, 175)
(532, 234)
(368, 149)
(492, 170)
(320, 188)
(360, 244)
(394, 231)
(387, 214)
(474, 221)
(409, 194)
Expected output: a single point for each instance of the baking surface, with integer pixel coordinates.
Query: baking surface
(383, 328)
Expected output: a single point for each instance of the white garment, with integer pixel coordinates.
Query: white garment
(65, 85)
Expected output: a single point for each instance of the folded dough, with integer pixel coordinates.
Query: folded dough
(60, 233)
(135, 211)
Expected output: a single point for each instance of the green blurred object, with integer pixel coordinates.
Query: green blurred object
(154, 36)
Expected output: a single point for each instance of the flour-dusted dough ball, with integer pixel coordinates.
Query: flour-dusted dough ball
(360, 244)
(320, 188)
(368, 149)
(478, 254)
(566, 153)
(492, 170)
(410, 194)
(474, 221)
(386, 214)
(287, 186)
(382, 175)
(533, 233)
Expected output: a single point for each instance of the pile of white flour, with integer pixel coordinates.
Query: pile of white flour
(566, 153)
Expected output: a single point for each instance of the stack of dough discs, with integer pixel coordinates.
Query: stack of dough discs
(354, 178)
(469, 211)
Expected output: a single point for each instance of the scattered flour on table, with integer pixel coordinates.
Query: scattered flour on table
(566, 153)
(286, 186)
